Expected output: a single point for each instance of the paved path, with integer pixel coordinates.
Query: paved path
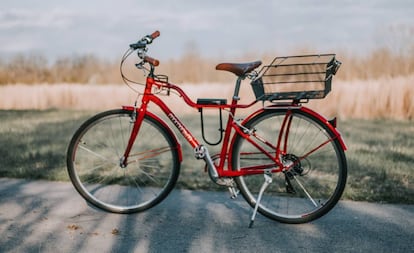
(40, 216)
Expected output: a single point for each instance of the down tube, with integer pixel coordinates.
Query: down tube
(177, 123)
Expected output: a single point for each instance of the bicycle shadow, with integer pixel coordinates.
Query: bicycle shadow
(41, 216)
(211, 222)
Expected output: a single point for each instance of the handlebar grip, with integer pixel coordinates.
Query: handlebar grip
(152, 61)
(155, 34)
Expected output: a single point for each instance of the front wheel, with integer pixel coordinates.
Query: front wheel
(315, 166)
(94, 159)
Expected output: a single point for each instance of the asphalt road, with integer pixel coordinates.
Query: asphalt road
(40, 216)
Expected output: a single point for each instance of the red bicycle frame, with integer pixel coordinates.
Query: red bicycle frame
(225, 153)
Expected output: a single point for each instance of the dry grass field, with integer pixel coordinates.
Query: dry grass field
(377, 85)
(192, 68)
(385, 98)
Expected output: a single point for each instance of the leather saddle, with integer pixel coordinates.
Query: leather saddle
(239, 69)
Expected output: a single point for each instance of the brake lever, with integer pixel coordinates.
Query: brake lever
(141, 67)
(141, 44)
(146, 40)
(138, 45)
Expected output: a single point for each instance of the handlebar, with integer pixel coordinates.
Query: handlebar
(146, 40)
(155, 34)
(141, 45)
(154, 62)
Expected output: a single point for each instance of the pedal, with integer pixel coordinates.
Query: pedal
(225, 181)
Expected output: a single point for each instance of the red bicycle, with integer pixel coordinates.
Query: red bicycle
(286, 160)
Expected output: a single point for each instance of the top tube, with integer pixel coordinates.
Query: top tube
(162, 84)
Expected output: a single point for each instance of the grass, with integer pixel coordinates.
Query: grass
(380, 152)
(191, 67)
(380, 160)
(33, 143)
(368, 99)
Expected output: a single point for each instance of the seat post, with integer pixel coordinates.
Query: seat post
(237, 88)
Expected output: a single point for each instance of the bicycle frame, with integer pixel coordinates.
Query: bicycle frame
(128, 160)
(225, 153)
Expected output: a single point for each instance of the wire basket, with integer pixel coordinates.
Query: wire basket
(296, 77)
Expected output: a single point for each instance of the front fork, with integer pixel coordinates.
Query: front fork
(136, 119)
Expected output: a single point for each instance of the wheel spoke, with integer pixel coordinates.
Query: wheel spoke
(314, 165)
(98, 155)
(95, 170)
(305, 191)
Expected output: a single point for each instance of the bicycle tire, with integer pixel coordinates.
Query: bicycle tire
(93, 162)
(316, 182)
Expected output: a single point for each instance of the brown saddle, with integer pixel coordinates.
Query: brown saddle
(239, 69)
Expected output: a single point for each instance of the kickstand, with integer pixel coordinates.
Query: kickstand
(267, 182)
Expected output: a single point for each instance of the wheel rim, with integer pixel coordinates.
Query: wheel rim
(311, 187)
(101, 179)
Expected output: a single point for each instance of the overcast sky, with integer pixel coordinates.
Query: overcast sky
(215, 28)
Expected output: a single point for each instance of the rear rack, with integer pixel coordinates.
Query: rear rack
(296, 77)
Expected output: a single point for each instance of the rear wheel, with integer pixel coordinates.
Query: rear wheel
(316, 172)
(94, 162)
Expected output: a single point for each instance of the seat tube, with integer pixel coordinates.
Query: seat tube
(237, 89)
(235, 99)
